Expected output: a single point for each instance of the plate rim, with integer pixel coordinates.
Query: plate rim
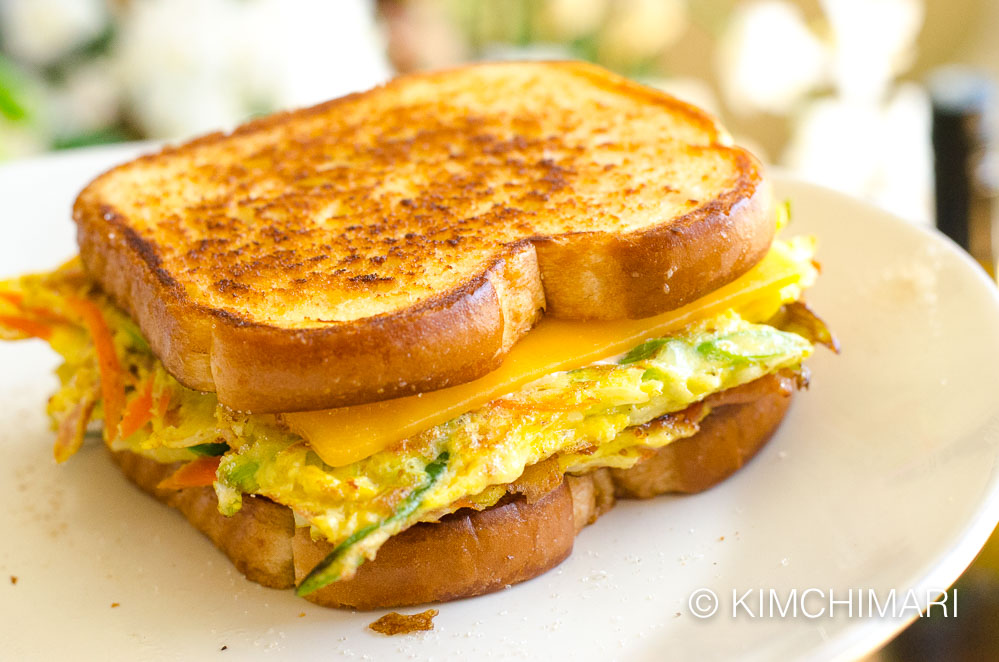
(870, 635)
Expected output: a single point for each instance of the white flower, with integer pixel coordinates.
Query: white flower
(172, 57)
(41, 31)
(768, 58)
(309, 51)
(879, 152)
(873, 40)
(189, 66)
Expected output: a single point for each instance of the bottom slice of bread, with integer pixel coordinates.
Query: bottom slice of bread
(473, 552)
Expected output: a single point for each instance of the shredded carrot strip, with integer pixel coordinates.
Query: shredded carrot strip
(45, 315)
(138, 412)
(197, 473)
(26, 326)
(72, 429)
(112, 377)
(163, 403)
(32, 313)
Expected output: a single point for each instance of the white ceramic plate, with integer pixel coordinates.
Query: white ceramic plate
(883, 476)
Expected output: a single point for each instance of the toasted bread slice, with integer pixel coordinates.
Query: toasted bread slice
(402, 239)
(488, 550)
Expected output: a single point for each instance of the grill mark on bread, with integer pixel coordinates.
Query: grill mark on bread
(144, 249)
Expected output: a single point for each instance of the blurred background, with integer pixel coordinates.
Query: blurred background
(834, 90)
(892, 101)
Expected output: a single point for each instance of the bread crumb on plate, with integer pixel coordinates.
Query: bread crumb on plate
(396, 623)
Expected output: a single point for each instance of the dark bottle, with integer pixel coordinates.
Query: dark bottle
(964, 160)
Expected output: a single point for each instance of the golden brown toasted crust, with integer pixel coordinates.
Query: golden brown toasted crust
(485, 550)
(402, 239)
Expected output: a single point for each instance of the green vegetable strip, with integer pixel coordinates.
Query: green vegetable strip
(210, 449)
(745, 346)
(646, 350)
(244, 476)
(329, 569)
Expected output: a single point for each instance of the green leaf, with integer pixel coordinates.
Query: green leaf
(12, 105)
(97, 137)
(329, 569)
(644, 351)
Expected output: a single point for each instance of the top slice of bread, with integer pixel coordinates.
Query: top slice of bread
(402, 239)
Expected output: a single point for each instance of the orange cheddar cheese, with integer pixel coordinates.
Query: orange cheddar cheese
(348, 434)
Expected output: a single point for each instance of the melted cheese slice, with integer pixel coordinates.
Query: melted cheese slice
(348, 434)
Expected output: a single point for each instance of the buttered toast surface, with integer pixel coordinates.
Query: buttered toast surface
(402, 239)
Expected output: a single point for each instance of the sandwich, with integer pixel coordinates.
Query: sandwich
(454, 317)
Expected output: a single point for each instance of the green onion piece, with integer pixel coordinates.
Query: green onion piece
(328, 570)
(745, 346)
(135, 335)
(243, 476)
(655, 374)
(644, 351)
(210, 449)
